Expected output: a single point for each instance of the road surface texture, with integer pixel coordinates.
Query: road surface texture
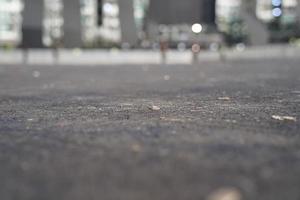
(215, 131)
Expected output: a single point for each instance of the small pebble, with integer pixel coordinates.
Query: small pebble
(155, 108)
(224, 98)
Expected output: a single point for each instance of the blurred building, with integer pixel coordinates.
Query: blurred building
(40, 22)
(227, 12)
(178, 12)
(53, 22)
(230, 20)
(109, 30)
(280, 16)
(140, 13)
(32, 23)
(10, 22)
(123, 21)
(129, 23)
(89, 20)
(287, 9)
(60, 22)
(172, 20)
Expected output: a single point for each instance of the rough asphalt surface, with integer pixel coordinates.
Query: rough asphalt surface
(89, 133)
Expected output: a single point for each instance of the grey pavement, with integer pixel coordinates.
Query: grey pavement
(152, 57)
(215, 131)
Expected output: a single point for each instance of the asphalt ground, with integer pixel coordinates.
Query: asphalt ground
(215, 131)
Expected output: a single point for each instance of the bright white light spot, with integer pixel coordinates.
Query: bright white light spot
(197, 28)
(276, 12)
(108, 8)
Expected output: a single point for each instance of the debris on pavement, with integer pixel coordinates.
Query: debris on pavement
(91, 107)
(224, 98)
(284, 118)
(136, 148)
(154, 108)
(225, 194)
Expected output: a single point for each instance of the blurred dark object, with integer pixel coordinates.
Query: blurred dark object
(177, 12)
(32, 24)
(99, 12)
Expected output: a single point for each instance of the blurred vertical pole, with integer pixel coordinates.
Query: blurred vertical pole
(99, 12)
(128, 27)
(72, 24)
(32, 24)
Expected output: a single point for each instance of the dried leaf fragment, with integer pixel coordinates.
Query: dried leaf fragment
(284, 118)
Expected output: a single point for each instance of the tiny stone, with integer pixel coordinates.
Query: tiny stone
(155, 108)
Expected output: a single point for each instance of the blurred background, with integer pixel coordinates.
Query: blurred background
(149, 99)
(144, 24)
